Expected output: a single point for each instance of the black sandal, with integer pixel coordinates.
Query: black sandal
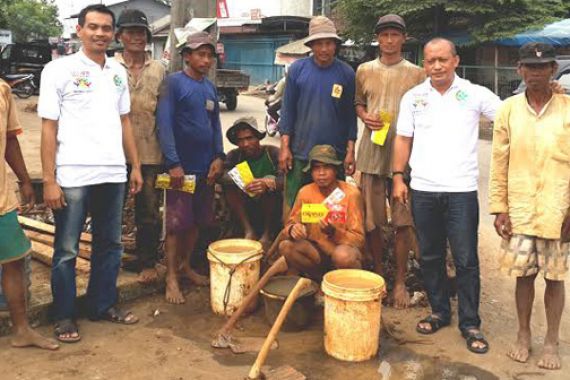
(116, 315)
(435, 323)
(66, 327)
(473, 337)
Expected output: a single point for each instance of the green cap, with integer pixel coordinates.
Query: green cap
(322, 153)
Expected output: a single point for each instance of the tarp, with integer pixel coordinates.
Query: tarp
(556, 34)
(289, 53)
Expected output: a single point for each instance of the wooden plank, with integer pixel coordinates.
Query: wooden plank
(44, 227)
(84, 248)
(44, 254)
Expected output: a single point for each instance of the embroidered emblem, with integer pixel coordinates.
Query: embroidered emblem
(336, 91)
(118, 81)
(420, 102)
(461, 96)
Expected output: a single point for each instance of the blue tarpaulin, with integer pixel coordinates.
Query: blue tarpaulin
(556, 34)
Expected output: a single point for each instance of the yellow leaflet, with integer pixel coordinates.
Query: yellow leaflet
(379, 137)
(313, 212)
(245, 172)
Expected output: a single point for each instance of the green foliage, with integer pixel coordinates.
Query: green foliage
(30, 19)
(483, 20)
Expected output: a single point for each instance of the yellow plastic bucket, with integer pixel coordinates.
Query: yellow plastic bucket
(234, 270)
(353, 309)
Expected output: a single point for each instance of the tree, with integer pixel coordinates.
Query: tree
(482, 20)
(30, 19)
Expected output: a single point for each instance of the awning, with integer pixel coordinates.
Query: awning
(556, 34)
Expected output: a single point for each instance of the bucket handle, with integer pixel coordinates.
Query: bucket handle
(232, 269)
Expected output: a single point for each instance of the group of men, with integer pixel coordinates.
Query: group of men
(426, 117)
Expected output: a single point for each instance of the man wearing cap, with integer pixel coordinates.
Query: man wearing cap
(438, 124)
(84, 105)
(260, 201)
(317, 108)
(530, 196)
(380, 85)
(145, 76)
(190, 134)
(335, 240)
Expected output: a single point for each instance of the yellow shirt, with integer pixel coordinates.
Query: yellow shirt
(9, 127)
(530, 166)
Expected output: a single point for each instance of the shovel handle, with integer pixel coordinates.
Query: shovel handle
(278, 266)
(255, 370)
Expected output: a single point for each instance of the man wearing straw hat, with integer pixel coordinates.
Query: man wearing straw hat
(316, 244)
(317, 108)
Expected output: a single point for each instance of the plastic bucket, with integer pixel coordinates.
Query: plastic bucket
(352, 313)
(234, 270)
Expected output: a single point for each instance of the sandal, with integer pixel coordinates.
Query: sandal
(471, 337)
(116, 315)
(435, 323)
(66, 327)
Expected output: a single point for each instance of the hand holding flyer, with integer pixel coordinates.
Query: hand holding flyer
(241, 175)
(330, 209)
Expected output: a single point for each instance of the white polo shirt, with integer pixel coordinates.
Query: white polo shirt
(445, 129)
(87, 101)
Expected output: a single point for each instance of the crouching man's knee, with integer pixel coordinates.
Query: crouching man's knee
(347, 257)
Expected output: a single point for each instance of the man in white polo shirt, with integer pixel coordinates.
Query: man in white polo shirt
(441, 118)
(84, 105)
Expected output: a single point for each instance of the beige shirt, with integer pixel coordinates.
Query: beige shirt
(530, 166)
(9, 127)
(380, 88)
(144, 92)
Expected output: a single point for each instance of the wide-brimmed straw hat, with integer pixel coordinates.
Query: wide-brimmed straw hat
(321, 27)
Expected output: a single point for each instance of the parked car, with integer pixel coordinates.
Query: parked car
(21, 58)
(562, 75)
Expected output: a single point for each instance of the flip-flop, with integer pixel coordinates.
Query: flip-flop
(66, 326)
(434, 322)
(116, 315)
(475, 336)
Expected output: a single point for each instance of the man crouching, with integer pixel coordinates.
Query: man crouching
(314, 246)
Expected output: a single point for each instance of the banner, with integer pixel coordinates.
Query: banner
(222, 9)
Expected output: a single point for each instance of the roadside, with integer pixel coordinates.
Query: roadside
(175, 343)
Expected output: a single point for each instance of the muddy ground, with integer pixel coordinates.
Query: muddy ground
(175, 343)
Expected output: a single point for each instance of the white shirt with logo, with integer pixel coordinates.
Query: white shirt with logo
(88, 101)
(445, 129)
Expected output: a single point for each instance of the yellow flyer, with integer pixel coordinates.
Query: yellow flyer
(313, 212)
(242, 176)
(379, 137)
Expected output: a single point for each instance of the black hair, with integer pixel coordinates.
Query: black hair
(437, 40)
(100, 8)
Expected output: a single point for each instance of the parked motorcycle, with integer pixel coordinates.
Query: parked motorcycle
(273, 106)
(22, 84)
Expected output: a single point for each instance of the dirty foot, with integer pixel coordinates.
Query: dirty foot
(173, 293)
(194, 277)
(30, 338)
(147, 276)
(266, 242)
(550, 358)
(401, 296)
(520, 351)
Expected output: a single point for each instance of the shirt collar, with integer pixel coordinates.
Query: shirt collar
(454, 85)
(544, 108)
(89, 62)
(119, 58)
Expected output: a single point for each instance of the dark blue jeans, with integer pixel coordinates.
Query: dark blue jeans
(453, 217)
(104, 202)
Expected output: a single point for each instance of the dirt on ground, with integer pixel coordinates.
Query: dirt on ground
(173, 341)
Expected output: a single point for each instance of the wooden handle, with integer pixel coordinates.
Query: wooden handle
(278, 266)
(256, 368)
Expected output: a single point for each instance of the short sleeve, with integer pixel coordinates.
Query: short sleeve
(490, 102)
(14, 127)
(49, 102)
(359, 96)
(405, 125)
(125, 98)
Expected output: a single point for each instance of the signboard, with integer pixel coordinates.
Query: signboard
(222, 9)
(5, 37)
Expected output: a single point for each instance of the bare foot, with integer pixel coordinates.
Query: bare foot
(265, 242)
(550, 358)
(173, 293)
(520, 351)
(250, 234)
(147, 276)
(30, 338)
(194, 277)
(401, 296)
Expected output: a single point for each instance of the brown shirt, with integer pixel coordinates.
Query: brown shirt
(9, 128)
(349, 233)
(144, 92)
(380, 88)
(530, 165)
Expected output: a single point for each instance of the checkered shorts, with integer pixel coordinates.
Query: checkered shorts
(525, 255)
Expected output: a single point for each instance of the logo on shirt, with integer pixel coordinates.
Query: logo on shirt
(461, 96)
(118, 81)
(81, 80)
(420, 102)
(336, 91)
